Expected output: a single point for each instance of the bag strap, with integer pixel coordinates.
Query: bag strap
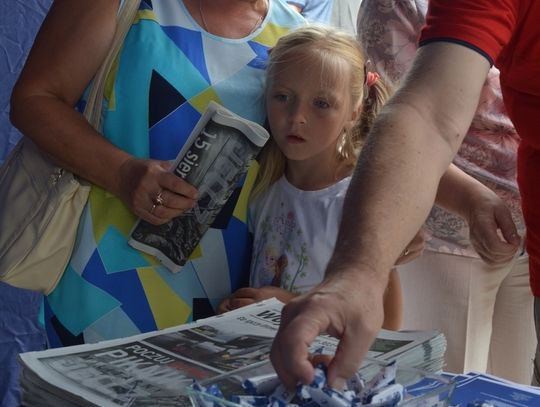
(125, 18)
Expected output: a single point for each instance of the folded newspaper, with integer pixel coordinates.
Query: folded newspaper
(214, 158)
(155, 369)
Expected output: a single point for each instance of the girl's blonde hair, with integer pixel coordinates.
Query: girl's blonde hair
(332, 49)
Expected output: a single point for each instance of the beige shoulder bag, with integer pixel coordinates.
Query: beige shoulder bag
(40, 203)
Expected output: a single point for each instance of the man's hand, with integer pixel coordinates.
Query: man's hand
(248, 295)
(345, 306)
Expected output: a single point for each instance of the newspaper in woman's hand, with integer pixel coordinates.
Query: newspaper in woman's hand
(215, 157)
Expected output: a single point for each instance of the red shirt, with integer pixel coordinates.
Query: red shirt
(507, 33)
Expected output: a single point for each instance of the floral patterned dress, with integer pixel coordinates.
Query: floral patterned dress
(389, 30)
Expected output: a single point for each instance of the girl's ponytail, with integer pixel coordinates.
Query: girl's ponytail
(376, 96)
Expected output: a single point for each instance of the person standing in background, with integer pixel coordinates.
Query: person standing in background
(315, 11)
(345, 14)
(484, 310)
(338, 13)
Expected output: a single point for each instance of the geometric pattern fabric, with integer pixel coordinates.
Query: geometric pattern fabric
(167, 72)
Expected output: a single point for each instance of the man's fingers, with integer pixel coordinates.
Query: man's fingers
(290, 349)
(292, 363)
(349, 355)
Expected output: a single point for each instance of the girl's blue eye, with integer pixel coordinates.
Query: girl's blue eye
(320, 103)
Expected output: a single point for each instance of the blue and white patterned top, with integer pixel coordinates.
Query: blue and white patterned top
(168, 70)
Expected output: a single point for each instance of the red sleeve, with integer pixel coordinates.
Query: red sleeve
(483, 25)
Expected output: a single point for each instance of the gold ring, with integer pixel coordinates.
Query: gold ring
(158, 200)
(152, 209)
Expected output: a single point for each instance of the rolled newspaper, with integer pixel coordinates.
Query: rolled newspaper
(214, 158)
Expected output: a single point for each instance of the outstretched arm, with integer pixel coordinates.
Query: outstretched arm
(393, 188)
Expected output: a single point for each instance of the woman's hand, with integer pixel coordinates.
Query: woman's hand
(152, 192)
(414, 249)
(248, 295)
(492, 231)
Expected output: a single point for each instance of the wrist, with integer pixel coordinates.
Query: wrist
(476, 197)
(118, 182)
(358, 273)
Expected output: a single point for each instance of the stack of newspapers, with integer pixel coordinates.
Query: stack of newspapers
(155, 369)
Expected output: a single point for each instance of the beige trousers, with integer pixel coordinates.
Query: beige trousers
(536, 374)
(485, 312)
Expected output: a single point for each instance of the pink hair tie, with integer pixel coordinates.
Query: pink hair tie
(372, 77)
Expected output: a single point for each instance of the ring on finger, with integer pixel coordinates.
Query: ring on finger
(158, 199)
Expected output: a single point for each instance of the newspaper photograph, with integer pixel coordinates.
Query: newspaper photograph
(130, 375)
(222, 350)
(156, 368)
(214, 159)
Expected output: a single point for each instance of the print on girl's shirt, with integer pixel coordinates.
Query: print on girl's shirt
(282, 249)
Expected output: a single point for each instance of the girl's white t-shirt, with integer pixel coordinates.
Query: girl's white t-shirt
(294, 234)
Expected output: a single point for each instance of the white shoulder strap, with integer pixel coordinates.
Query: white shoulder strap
(126, 15)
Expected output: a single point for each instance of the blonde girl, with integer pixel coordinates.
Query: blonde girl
(320, 101)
